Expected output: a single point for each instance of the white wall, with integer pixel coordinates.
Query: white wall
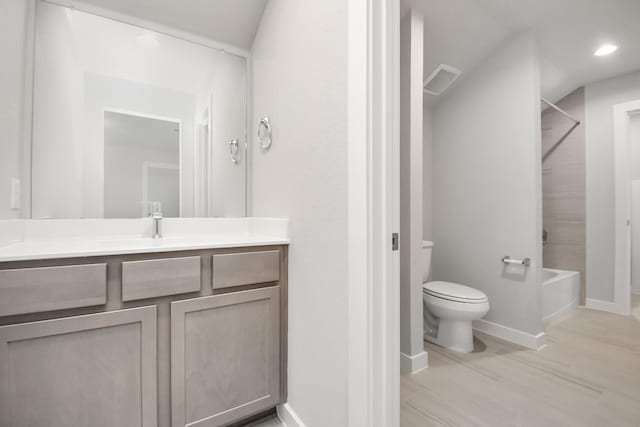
(487, 195)
(413, 356)
(300, 81)
(600, 98)
(14, 16)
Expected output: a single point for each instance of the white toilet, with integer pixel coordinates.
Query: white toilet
(449, 309)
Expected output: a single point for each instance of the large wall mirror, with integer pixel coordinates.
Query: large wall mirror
(129, 121)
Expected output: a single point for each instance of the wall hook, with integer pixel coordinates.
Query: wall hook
(264, 133)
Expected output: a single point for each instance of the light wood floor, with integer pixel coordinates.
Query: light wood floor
(272, 422)
(587, 375)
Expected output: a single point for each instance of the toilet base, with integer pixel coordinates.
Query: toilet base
(454, 335)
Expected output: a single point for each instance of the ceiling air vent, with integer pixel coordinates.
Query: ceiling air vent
(440, 79)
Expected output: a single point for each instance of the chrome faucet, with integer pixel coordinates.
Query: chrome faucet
(157, 217)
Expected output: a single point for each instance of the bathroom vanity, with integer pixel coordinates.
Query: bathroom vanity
(136, 332)
(135, 125)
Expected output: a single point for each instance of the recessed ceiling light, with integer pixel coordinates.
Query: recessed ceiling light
(605, 49)
(147, 41)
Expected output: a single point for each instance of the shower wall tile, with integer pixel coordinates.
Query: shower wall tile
(564, 206)
(565, 232)
(563, 187)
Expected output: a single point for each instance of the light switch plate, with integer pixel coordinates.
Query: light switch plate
(15, 193)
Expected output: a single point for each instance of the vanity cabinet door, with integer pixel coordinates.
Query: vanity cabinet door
(225, 357)
(93, 370)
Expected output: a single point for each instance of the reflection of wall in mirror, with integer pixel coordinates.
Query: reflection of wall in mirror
(13, 39)
(57, 149)
(141, 165)
(225, 96)
(80, 74)
(121, 95)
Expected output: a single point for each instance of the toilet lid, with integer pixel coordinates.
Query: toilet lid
(454, 291)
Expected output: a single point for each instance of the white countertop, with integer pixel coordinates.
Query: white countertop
(57, 239)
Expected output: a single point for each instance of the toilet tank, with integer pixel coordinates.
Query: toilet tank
(427, 247)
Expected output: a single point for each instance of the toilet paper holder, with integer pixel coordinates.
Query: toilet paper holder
(508, 260)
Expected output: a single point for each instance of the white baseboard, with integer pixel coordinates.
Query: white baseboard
(534, 342)
(288, 416)
(598, 304)
(414, 364)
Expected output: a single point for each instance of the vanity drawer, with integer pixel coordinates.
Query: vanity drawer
(160, 277)
(245, 268)
(33, 290)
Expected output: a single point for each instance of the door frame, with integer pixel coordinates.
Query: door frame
(373, 212)
(622, 252)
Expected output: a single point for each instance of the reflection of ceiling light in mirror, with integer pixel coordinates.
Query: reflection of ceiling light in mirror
(147, 41)
(605, 49)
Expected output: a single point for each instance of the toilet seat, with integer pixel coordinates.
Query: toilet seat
(454, 292)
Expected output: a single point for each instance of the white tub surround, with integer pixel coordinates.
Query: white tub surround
(22, 240)
(560, 292)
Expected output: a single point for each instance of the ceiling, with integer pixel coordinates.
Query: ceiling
(462, 33)
(234, 22)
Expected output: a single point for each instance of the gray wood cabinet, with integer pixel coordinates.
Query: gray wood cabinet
(33, 290)
(239, 269)
(225, 357)
(160, 277)
(181, 338)
(92, 370)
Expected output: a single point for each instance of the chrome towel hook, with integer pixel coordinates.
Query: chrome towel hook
(233, 150)
(264, 133)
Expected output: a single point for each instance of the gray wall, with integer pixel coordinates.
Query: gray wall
(411, 218)
(427, 175)
(563, 187)
(486, 192)
(300, 82)
(600, 98)
(634, 139)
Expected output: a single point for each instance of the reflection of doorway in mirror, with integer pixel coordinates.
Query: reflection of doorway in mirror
(141, 165)
(203, 163)
(160, 189)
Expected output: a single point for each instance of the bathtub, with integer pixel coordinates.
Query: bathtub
(560, 292)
